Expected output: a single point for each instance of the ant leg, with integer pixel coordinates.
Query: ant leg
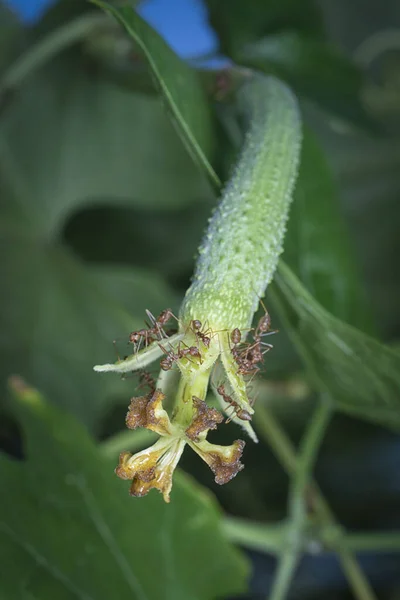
(151, 317)
(166, 352)
(254, 373)
(229, 419)
(269, 347)
(252, 377)
(269, 333)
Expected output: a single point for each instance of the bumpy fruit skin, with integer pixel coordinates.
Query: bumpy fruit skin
(240, 250)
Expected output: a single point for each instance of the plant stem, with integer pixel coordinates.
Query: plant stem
(306, 459)
(274, 435)
(285, 570)
(360, 585)
(376, 542)
(258, 536)
(290, 556)
(269, 537)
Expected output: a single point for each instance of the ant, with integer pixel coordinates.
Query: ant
(196, 326)
(159, 322)
(170, 357)
(136, 336)
(255, 352)
(249, 358)
(264, 326)
(151, 334)
(236, 336)
(241, 413)
(146, 378)
(247, 365)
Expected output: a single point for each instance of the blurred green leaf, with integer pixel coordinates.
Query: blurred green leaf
(238, 23)
(70, 529)
(11, 35)
(100, 41)
(368, 171)
(286, 38)
(315, 69)
(179, 85)
(317, 244)
(360, 374)
(68, 140)
(59, 13)
(104, 234)
(58, 318)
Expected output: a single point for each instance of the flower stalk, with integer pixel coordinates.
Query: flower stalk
(237, 260)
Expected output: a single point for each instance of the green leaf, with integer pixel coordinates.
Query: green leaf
(76, 139)
(316, 70)
(237, 23)
(59, 13)
(286, 38)
(11, 35)
(361, 375)
(69, 528)
(58, 318)
(66, 142)
(95, 235)
(317, 243)
(179, 85)
(368, 172)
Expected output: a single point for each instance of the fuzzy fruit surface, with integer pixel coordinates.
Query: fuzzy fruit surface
(240, 250)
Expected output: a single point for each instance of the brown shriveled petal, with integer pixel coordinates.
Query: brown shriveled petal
(206, 418)
(151, 468)
(123, 470)
(136, 415)
(157, 417)
(224, 461)
(147, 411)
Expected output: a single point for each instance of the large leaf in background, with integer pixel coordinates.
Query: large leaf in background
(58, 318)
(316, 70)
(104, 234)
(361, 375)
(69, 528)
(368, 171)
(238, 23)
(75, 138)
(179, 85)
(317, 244)
(58, 13)
(60, 148)
(286, 38)
(69, 139)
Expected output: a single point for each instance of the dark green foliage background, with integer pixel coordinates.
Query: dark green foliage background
(110, 164)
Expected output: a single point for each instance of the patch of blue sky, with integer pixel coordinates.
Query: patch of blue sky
(182, 23)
